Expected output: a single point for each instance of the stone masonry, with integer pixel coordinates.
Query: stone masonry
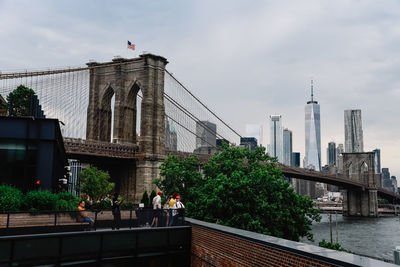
(360, 167)
(125, 78)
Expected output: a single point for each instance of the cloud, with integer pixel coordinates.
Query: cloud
(246, 60)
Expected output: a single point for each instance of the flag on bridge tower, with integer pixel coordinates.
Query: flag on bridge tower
(131, 46)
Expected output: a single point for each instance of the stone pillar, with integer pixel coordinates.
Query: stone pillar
(125, 78)
(354, 203)
(345, 202)
(373, 203)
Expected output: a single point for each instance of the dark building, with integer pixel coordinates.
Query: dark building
(331, 154)
(32, 153)
(249, 142)
(222, 141)
(386, 181)
(296, 159)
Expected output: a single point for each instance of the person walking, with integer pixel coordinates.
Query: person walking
(157, 209)
(179, 211)
(116, 211)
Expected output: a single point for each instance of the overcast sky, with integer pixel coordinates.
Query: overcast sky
(245, 59)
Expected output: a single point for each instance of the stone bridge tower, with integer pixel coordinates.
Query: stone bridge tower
(124, 78)
(360, 167)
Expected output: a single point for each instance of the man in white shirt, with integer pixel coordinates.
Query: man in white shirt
(157, 207)
(179, 211)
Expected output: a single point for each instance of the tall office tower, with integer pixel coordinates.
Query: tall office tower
(312, 134)
(339, 158)
(353, 133)
(206, 137)
(331, 154)
(386, 182)
(287, 147)
(171, 137)
(275, 137)
(394, 184)
(377, 152)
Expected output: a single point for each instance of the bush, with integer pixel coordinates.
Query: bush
(335, 246)
(10, 198)
(66, 201)
(102, 205)
(40, 200)
(145, 199)
(127, 205)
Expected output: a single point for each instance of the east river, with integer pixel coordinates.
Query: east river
(375, 237)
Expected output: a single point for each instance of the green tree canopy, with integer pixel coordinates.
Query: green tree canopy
(20, 100)
(243, 189)
(95, 183)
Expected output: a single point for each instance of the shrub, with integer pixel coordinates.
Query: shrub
(127, 205)
(66, 201)
(40, 200)
(95, 183)
(145, 199)
(102, 205)
(335, 246)
(10, 198)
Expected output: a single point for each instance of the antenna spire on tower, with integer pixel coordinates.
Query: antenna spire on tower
(312, 91)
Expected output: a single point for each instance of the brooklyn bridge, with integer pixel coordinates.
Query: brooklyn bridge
(102, 107)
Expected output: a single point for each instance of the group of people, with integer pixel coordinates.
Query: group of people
(172, 211)
(115, 204)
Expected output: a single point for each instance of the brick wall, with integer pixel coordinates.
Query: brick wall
(217, 245)
(210, 248)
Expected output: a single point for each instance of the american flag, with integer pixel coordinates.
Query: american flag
(131, 46)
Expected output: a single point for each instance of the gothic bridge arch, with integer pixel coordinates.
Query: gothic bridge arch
(124, 78)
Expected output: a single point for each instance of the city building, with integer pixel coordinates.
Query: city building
(386, 181)
(222, 141)
(287, 147)
(32, 153)
(249, 142)
(394, 183)
(353, 133)
(206, 137)
(312, 158)
(331, 154)
(275, 138)
(171, 137)
(377, 160)
(312, 134)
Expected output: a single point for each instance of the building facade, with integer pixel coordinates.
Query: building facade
(249, 142)
(275, 137)
(353, 133)
(206, 137)
(287, 147)
(331, 154)
(377, 160)
(312, 134)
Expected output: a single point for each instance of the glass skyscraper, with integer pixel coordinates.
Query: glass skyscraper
(275, 137)
(312, 134)
(287, 147)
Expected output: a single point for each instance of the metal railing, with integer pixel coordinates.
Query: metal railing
(22, 221)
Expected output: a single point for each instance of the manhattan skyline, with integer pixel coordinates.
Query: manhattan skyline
(245, 63)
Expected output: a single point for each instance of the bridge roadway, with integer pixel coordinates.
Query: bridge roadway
(82, 149)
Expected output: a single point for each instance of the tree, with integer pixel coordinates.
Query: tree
(20, 100)
(95, 183)
(243, 189)
(145, 199)
(181, 176)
